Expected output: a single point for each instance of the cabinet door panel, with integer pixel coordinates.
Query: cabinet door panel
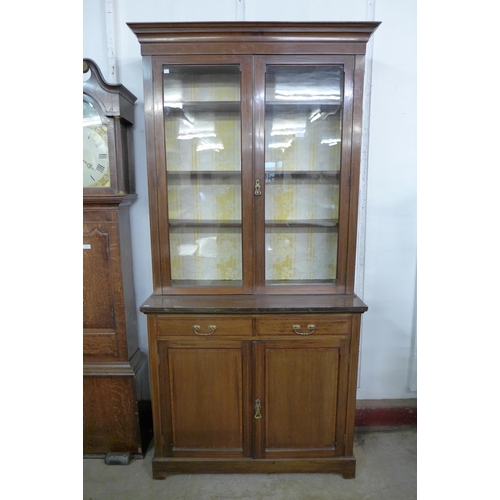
(301, 386)
(203, 386)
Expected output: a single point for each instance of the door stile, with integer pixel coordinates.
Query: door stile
(346, 169)
(357, 112)
(259, 126)
(247, 423)
(160, 177)
(247, 198)
(258, 424)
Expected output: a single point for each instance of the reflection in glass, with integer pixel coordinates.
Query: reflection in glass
(201, 256)
(202, 115)
(302, 163)
(90, 115)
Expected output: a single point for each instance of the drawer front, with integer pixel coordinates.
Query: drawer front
(304, 325)
(204, 326)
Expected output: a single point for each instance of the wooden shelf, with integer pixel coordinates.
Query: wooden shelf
(205, 107)
(305, 105)
(326, 223)
(204, 223)
(200, 174)
(302, 173)
(323, 223)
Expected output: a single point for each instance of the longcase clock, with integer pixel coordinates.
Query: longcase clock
(113, 364)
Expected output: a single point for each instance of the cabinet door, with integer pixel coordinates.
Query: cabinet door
(203, 171)
(301, 389)
(204, 397)
(304, 114)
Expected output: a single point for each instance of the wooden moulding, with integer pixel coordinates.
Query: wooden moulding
(163, 467)
(253, 31)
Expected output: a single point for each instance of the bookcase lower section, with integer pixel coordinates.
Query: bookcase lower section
(259, 389)
(163, 467)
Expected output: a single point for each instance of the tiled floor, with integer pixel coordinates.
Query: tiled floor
(386, 470)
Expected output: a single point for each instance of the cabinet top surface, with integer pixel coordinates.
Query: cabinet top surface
(257, 304)
(250, 25)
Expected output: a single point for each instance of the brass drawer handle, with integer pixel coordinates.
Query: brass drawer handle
(196, 329)
(311, 328)
(257, 414)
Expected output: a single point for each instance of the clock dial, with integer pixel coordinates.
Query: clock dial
(95, 157)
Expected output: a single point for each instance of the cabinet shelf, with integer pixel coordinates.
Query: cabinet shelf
(204, 174)
(325, 107)
(268, 173)
(204, 223)
(205, 107)
(326, 223)
(302, 173)
(300, 282)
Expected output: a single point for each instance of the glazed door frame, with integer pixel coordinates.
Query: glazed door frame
(348, 64)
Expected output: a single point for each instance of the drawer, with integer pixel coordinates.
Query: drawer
(204, 326)
(303, 325)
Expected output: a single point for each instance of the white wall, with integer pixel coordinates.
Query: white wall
(387, 254)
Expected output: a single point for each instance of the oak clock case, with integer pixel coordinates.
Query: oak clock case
(113, 365)
(253, 174)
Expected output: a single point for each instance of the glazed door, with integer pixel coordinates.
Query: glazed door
(203, 166)
(205, 398)
(300, 398)
(303, 111)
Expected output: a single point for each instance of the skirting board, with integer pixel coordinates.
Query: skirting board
(386, 412)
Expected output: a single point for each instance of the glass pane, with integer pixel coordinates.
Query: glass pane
(302, 164)
(95, 149)
(203, 151)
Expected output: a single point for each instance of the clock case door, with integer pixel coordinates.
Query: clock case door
(115, 105)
